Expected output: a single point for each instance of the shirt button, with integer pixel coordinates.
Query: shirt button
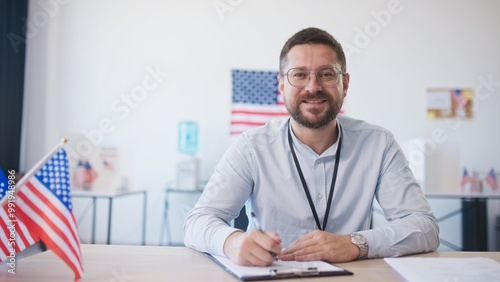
(318, 161)
(320, 196)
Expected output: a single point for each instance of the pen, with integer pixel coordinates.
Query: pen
(258, 227)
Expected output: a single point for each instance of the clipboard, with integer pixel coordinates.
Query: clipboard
(279, 269)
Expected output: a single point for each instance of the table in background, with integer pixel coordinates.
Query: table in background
(474, 212)
(189, 199)
(156, 263)
(110, 197)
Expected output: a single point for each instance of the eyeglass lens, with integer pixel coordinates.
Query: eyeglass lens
(324, 76)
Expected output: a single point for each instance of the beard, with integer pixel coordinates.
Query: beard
(320, 119)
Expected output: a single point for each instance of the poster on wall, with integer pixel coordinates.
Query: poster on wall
(449, 103)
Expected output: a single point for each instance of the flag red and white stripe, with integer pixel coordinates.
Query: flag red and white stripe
(247, 116)
(20, 236)
(44, 213)
(14, 235)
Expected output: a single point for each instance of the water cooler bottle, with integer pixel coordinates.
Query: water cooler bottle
(187, 176)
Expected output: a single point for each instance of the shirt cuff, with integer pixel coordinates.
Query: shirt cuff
(220, 238)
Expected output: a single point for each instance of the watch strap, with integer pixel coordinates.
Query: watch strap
(361, 244)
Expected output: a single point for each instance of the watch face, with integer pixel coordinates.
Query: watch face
(361, 240)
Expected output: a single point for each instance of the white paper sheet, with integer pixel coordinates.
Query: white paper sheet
(446, 269)
(439, 100)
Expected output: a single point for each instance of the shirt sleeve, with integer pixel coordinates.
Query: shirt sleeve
(207, 226)
(412, 226)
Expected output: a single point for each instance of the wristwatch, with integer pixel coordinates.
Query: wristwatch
(360, 241)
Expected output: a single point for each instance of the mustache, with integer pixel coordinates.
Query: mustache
(316, 95)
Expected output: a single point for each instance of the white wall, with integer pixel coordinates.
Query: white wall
(87, 54)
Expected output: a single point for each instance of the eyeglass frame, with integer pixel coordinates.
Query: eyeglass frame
(315, 73)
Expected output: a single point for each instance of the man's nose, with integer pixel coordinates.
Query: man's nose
(313, 85)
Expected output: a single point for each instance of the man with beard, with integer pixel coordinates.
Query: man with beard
(310, 180)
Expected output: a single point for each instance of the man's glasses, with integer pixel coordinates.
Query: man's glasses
(300, 77)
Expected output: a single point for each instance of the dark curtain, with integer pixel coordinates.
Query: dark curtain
(13, 17)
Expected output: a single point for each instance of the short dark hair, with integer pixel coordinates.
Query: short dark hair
(312, 35)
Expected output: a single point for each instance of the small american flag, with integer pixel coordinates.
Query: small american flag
(256, 99)
(44, 205)
(491, 180)
(90, 173)
(467, 181)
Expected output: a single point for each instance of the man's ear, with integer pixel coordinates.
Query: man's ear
(346, 78)
(281, 85)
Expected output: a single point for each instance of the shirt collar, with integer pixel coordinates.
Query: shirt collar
(330, 152)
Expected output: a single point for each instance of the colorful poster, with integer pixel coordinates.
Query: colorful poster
(449, 103)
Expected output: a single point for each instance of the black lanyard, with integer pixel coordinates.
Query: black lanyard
(304, 184)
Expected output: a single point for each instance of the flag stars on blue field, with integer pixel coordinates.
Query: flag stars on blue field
(2, 189)
(253, 87)
(55, 175)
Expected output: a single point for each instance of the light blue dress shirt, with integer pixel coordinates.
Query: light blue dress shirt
(258, 171)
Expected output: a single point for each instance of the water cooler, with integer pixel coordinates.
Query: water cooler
(187, 176)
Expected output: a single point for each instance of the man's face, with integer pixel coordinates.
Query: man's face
(313, 105)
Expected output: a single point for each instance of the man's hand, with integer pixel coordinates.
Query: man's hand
(252, 247)
(321, 245)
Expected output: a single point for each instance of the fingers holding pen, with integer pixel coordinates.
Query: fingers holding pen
(252, 247)
(269, 243)
(272, 235)
(273, 245)
(275, 236)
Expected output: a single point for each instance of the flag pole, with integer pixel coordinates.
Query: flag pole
(35, 168)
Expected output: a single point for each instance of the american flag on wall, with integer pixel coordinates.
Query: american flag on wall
(43, 205)
(256, 99)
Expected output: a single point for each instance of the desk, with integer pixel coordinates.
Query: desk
(110, 197)
(155, 263)
(474, 218)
